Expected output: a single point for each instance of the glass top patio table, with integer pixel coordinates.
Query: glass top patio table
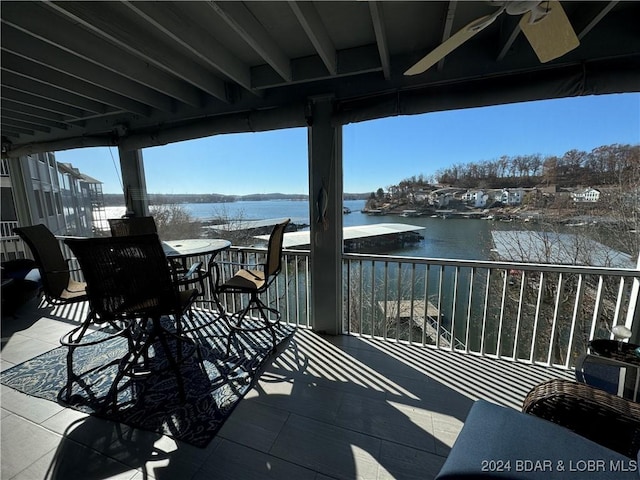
(180, 251)
(194, 247)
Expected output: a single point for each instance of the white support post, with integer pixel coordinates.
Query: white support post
(134, 182)
(325, 203)
(632, 322)
(23, 197)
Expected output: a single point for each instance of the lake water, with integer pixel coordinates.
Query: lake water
(466, 239)
(443, 238)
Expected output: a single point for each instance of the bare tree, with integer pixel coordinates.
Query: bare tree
(546, 304)
(231, 226)
(174, 222)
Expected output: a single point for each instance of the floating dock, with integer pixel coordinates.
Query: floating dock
(362, 236)
(417, 317)
(241, 225)
(557, 248)
(405, 309)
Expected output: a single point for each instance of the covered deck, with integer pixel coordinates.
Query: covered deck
(134, 76)
(378, 401)
(326, 407)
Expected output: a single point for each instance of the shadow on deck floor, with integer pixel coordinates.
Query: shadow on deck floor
(326, 407)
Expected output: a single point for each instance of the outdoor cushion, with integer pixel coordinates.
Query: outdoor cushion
(499, 442)
(20, 282)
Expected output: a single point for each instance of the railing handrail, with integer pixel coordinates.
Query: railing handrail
(557, 268)
(580, 269)
(255, 249)
(454, 262)
(551, 310)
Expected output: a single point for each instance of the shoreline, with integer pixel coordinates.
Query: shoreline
(523, 214)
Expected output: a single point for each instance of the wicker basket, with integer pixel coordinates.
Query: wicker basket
(609, 420)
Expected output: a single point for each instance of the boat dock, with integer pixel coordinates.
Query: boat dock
(380, 235)
(428, 324)
(242, 225)
(558, 248)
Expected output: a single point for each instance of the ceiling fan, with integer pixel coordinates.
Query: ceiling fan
(545, 24)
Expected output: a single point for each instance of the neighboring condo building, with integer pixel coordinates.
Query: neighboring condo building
(82, 202)
(37, 189)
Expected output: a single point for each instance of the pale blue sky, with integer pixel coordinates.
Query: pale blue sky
(377, 153)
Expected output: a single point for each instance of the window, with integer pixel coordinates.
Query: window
(48, 196)
(38, 196)
(7, 205)
(33, 167)
(58, 203)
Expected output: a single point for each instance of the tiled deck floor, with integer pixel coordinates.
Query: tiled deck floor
(327, 407)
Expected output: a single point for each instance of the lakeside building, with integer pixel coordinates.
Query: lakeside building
(480, 198)
(477, 198)
(511, 196)
(588, 194)
(443, 196)
(38, 189)
(82, 201)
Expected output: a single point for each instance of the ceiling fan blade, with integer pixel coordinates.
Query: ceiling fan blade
(452, 43)
(552, 35)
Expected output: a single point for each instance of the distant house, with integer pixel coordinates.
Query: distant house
(477, 198)
(586, 195)
(441, 197)
(511, 196)
(421, 195)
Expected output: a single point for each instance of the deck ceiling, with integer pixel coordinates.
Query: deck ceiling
(138, 74)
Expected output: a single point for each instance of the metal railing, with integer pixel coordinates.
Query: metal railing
(4, 167)
(290, 292)
(532, 313)
(6, 228)
(12, 247)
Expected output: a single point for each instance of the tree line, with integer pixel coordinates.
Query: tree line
(605, 165)
(117, 199)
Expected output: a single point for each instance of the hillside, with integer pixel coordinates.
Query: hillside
(117, 199)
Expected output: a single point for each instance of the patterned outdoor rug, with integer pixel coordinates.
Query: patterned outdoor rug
(153, 402)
